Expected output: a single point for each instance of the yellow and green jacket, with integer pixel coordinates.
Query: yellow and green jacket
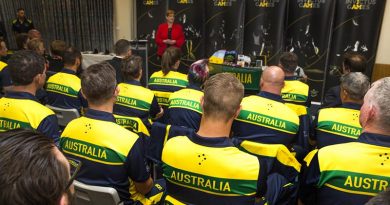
(348, 173)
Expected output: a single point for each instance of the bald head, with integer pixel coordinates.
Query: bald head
(272, 80)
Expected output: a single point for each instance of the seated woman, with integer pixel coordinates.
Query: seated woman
(168, 80)
(184, 105)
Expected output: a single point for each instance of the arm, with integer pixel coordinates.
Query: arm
(49, 127)
(159, 38)
(181, 39)
(332, 97)
(155, 109)
(309, 179)
(138, 169)
(83, 103)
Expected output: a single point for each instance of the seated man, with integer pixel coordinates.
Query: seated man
(184, 105)
(205, 167)
(341, 124)
(122, 50)
(135, 100)
(63, 88)
(111, 155)
(352, 62)
(33, 170)
(296, 96)
(266, 113)
(57, 49)
(19, 107)
(351, 173)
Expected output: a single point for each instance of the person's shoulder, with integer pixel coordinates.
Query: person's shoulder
(177, 25)
(29, 20)
(14, 21)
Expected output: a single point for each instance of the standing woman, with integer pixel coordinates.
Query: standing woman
(168, 80)
(169, 34)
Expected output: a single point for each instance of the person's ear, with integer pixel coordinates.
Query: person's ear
(201, 102)
(237, 112)
(116, 92)
(78, 62)
(82, 93)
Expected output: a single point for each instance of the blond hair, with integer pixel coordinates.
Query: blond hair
(223, 93)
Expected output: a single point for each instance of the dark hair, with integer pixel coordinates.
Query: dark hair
(169, 58)
(383, 198)
(58, 47)
(20, 9)
(71, 54)
(21, 40)
(354, 61)
(122, 46)
(223, 93)
(198, 72)
(24, 65)
(98, 83)
(288, 61)
(131, 67)
(30, 171)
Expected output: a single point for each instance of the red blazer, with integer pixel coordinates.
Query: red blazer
(162, 34)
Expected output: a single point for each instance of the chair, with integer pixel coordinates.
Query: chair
(95, 195)
(64, 115)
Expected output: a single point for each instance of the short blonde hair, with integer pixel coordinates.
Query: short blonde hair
(169, 12)
(223, 93)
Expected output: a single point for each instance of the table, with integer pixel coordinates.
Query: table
(90, 59)
(249, 77)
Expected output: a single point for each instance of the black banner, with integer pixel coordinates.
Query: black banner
(188, 15)
(356, 28)
(264, 29)
(308, 35)
(150, 14)
(224, 25)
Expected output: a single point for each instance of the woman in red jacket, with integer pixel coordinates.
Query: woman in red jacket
(169, 34)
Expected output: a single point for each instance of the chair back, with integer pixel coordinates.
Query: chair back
(64, 116)
(95, 195)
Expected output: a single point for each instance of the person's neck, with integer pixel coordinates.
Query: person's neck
(214, 128)
(375, 129)
(359, 102)
(170, 25)
(289, 74)
(272, 89)
(105, 107)
(25, 88)
(22, 19)
(71, 67)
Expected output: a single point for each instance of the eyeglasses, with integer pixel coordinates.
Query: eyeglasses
(75, 166)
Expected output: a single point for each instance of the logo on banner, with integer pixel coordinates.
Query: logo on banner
(222, 3)
(266, 3)
(359, 4)
(150, 2)
(310, 4)
(185, 1)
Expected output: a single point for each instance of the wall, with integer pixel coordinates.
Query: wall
(124, 19)
(382, 63)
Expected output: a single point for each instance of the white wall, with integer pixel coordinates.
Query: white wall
(123, 19)
(383, 52)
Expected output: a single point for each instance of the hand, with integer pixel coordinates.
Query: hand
(166, 41)
(160, 114)
(173, 42)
